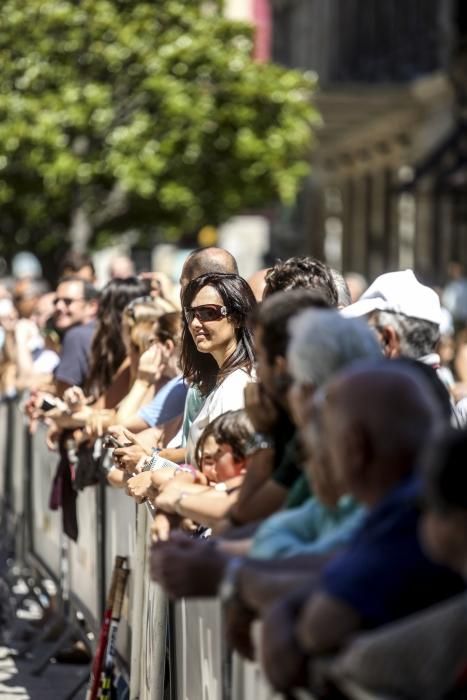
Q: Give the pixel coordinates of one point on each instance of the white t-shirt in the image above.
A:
(228, 396)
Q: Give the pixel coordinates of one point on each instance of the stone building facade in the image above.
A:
(389, 180)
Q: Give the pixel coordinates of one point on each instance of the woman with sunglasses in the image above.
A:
(217, 354)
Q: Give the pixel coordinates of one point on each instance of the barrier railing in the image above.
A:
(173, 652)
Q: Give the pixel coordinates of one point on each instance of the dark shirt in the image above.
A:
(287, 468)
(74, 357)
(383, 574)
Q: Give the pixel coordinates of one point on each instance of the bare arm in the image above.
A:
(260, 495)
(141, 392)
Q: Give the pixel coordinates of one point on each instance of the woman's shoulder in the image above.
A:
(241, 375)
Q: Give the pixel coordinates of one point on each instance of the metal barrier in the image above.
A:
(174, 652)
(46, 527)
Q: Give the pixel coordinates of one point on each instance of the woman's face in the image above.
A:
(217, 337)
(218, 462)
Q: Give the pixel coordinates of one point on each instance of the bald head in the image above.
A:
(205, 260)
(376, 419)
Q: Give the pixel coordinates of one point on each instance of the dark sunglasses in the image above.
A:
(205, 312)
(66, 300)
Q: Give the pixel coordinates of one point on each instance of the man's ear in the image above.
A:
(391, 342)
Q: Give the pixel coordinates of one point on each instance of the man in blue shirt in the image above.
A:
(374, 420)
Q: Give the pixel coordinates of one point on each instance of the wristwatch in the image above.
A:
(228, 585)
(259, 441)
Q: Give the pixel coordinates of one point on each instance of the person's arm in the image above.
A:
(202, 504)
(258, 587)
(148, 382)
(174, 454)
(259, 495)
(268, 499)
(325, 624)
(132, 402)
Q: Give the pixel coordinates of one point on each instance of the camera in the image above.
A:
(47, 405)
(110, 442)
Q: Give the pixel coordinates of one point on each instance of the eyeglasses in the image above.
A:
(205, 312)
(66, 300)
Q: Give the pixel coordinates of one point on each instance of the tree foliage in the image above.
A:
(141, 115)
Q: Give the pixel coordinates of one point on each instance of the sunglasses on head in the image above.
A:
(205, 312)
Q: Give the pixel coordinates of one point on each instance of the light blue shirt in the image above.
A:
(167, 404)
(312, 528)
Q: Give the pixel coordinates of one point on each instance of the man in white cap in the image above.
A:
(405, 314)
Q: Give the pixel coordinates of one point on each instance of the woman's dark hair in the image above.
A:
(108, 349)
(201, 368)
(232, 428)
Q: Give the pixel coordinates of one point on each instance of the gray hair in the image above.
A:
(343, 292)
(323, 342)
(417, 337)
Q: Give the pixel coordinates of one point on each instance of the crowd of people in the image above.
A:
(301, 438)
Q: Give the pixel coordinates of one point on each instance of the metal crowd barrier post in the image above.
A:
(120, 539)
(199, 649)
(3, 457)
(150, 618)
(46, 524)
(83, 559)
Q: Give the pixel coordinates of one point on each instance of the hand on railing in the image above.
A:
(282, 660)
(187, 567)
(140, 487)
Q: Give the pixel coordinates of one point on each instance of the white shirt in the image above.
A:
(228, 396)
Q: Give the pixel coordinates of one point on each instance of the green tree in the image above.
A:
(126, 114)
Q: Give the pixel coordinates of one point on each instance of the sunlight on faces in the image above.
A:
(218, 463)
(72, 313)
(215, 337)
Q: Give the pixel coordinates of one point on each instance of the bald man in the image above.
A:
(374, 420)
(204, 260)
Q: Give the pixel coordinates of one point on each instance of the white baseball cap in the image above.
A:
(398, 292)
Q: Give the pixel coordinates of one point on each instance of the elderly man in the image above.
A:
(405, 315)
(374, 420)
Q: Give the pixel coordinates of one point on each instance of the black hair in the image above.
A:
(274, 313)
(201, 368)
(299, 273)
(89, 290)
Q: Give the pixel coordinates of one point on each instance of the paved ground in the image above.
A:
(17, 682)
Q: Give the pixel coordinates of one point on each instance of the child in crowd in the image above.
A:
(203, 495)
